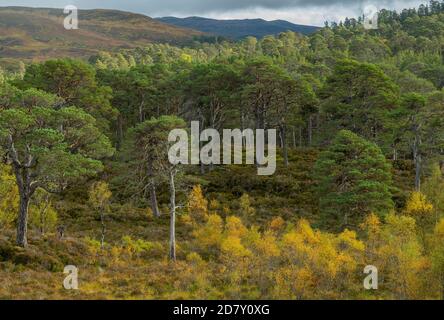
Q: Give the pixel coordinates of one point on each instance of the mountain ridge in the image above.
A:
(238, 28)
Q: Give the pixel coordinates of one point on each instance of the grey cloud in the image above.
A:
(202, 7)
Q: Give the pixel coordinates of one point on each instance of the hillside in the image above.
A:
(238, 29)
(96, 171)
(29, 33)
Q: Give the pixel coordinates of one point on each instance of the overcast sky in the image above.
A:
(312, 12)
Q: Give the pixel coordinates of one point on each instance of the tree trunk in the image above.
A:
(102, 239)
(242, 120)
(43, 216)
(22, 222)
(395, 154)
(153, 199)
(152, 189)
(119, 132)
(310, 130)
(172, 217)
(417, 160)
(141, 115)
(418, 173)
(300, 137)
(284, 143)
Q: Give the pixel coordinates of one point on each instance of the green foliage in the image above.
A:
(100, 195)
(43, 216)
(57, 156)
(359, 97)
(353, 180)
(8, 197)
(75, 82)
(245, 208)
(432, 189)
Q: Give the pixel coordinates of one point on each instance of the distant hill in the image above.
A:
(30, 33)
(238, 29)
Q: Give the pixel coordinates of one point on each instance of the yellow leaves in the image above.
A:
(304, 263)
(186, 58)
(346, 262)
(295, 283)
(246, 210)
(331, 259)
(349, 240)
(422, 211)
(235, 228)
(372, 224)
(93, 246)
(215, 234)
(437, 254)
(277, 224)
(233, 247)
(9, 197)
(210, 235)
(186, 220)
(266, 245)
(397, 254)
(197, 205)
(439, 229)
(400, 226)
(417, 205)
(43, 216)
(115, 253)
(139, 246)
(214, 206)
(308, 234)
(100, 195)
(292, 241)
(195, 259)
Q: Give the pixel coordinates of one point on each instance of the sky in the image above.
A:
(309, 12)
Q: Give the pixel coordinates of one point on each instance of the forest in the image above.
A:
(85, 178)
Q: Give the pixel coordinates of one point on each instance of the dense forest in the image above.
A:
(85, 178)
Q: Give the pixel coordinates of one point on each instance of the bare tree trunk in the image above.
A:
(395, 154)
(310, 130)
(102, 220)
(172, 216)
(294, 139)
(141, 116)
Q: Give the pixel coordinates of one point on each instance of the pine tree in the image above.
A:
(353, 179)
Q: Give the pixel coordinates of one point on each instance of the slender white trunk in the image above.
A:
(172, 216)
